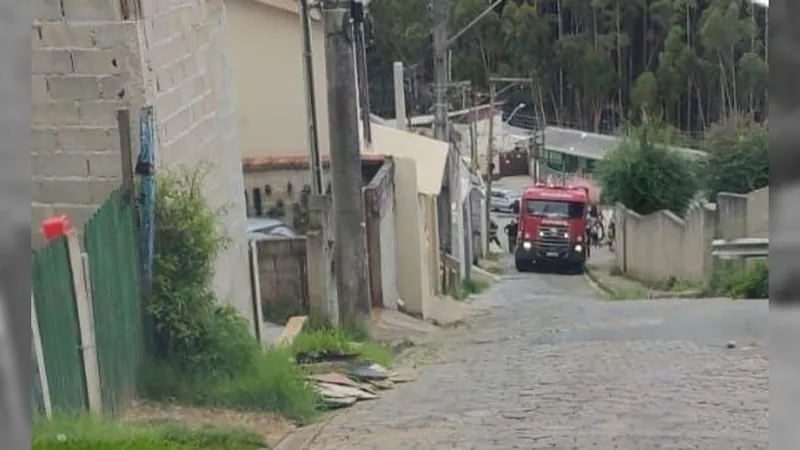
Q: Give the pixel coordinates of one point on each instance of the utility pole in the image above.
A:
(441, 11)
(350, 245)
(400, 113)
(361, 68)
(489, 161)
(493, 81)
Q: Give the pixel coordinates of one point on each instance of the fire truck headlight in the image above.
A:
(526, 245)
(578, 248)
(580, 238)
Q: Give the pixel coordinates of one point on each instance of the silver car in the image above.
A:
(504, 200)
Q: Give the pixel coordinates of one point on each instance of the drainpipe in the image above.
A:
(314, 162)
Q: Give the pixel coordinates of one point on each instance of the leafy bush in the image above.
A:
(752, 282)
(739, 160)
(204, 354)
(645, 176)
(191, 332)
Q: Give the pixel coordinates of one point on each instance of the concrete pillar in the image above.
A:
(399, 96)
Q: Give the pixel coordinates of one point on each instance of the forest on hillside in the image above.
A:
(596, 64)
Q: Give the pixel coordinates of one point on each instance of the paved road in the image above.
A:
(553, 366)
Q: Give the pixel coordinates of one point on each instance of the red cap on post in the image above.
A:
(55, 227)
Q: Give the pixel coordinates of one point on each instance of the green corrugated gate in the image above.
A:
(110, 241)
(51, 282)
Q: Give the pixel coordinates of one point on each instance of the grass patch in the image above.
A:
(273, 383)
(313, 345)
(752, 282)
(83, 433)
(466, 288)
(492, 256)
(630, 293)
(495, 269)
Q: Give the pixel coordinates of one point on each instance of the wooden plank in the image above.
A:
(256, 288)
(125, 144)
(85, 322)
(39, 353)
(293, 327)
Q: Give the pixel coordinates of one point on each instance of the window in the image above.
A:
(551, 208)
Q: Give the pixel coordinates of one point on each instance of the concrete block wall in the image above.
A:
(186, 80)
(84, 66)
(91, 57)
(661, 245)
(757, 222)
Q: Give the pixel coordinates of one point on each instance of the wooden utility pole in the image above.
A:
(489, 158)
(350, 245)
(493, 81)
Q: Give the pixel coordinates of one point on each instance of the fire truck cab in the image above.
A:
(552, 228)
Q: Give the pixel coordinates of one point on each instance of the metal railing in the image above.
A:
(740, 248)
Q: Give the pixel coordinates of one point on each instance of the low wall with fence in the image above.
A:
(87, 313)
(282, 278)
(661, 245)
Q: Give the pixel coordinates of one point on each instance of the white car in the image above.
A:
(262, 228)
(504, 200)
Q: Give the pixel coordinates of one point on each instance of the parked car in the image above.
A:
(504, 200)
(260, 228)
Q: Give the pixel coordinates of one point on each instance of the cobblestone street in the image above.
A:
(551, 365)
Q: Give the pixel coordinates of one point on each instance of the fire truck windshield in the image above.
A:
(552, 208)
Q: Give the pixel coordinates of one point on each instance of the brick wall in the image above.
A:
(91, 57)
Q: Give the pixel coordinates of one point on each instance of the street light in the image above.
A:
(514, 111)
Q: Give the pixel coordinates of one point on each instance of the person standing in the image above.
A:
(511, 232)
(493, 233)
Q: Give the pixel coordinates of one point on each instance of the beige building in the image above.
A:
(91, 58)
(266, 53)
(265, 47)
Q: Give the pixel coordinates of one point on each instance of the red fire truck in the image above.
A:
(552, 228)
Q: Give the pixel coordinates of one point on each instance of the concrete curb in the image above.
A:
(597, 284)
(301, 439)
(485, 275)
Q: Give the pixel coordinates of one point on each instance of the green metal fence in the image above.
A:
(51, 282)
(110, 241)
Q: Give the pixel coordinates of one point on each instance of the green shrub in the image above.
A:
(752, 282)
(191, 332)
(646, 176)
(739, 160)
(204, 354)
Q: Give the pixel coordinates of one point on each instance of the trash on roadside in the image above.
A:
(362, 383)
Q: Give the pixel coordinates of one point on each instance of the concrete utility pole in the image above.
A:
(350, 244)
(401, 121)
(361, 68)
(441, 11)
